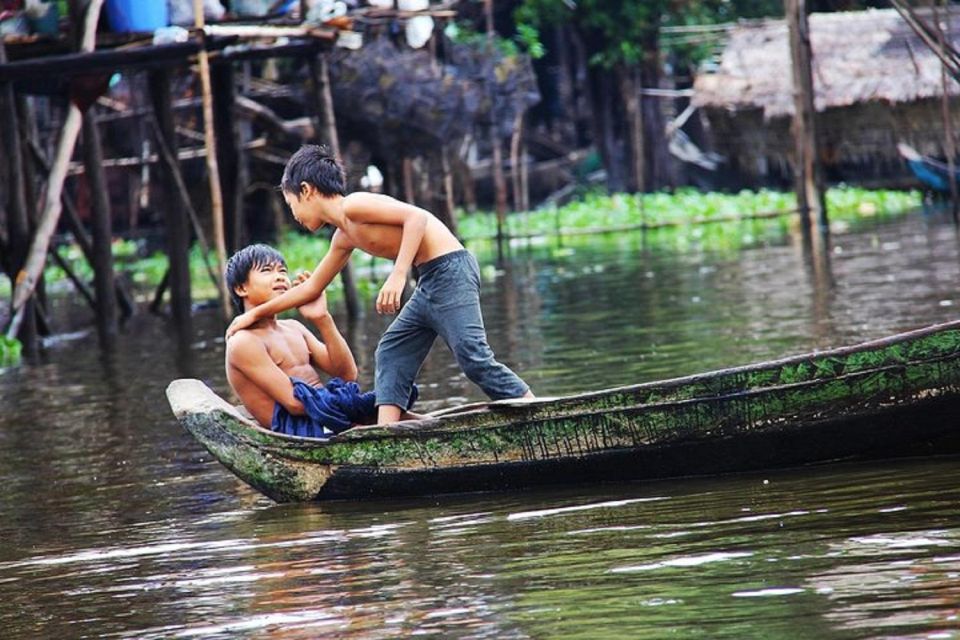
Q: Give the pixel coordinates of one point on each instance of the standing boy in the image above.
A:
(447, 298)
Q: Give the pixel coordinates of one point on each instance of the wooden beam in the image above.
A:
(98, 62)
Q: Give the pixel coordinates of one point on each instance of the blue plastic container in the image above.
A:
(137, 15)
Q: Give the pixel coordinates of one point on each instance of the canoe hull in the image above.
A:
(925, 429)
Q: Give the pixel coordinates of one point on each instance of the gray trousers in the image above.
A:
(446, 303)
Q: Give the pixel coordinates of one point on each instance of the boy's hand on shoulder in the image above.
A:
(242, 321)
(388, 301)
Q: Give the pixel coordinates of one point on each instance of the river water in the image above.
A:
(116, 524)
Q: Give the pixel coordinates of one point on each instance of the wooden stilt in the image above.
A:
(408, 191)
(103, 277)
(320, 73)
(80, 235)
(157, 303)
(213, 169)
(18, 231)
(78, 284)
(515, 161)
(808, 175)
(27, 278)
(949, 145)
(178, 231)
(172, 167)
(448, 191)
(229, 154)
(499, 181)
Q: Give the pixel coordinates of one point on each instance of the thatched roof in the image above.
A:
(857, 57)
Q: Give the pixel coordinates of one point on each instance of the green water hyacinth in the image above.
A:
(10, 352)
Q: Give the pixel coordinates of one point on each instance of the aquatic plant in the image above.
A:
(10, 351)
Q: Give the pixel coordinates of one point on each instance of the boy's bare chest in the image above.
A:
(379, 240)
(287, 349)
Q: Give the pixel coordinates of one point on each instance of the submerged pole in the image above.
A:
(808, 174)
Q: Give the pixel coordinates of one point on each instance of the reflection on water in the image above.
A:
(116, 524)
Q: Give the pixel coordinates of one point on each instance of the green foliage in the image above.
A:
(624, 28)
(675, 218)
(463, 33)
(10, 350)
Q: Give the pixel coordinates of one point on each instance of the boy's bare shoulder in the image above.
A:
(242, 343)
(364, 200)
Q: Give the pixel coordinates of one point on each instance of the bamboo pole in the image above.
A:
(27, 278)
(808, 177)
(213, 170)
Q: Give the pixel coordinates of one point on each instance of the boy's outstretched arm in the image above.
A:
(310, 289)
(371, 208)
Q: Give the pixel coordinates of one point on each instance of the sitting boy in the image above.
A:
(273, 364)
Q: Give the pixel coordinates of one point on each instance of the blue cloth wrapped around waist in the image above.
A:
(330, 409)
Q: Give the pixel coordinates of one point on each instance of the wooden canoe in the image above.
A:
(895, 396)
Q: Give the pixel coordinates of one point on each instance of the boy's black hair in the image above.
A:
(240, 263)
(315, 165)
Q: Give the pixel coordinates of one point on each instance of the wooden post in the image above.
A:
(408, 191)
(172, 168)
(213, 170)
(72, 219)
(229, 153)
(515, 140)
(178, 231)
(28, 277)
(808, 175)
(448, 190)
(499, 181)
(18, 231)
(949, 145)
(320, 73)
(103, 278)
